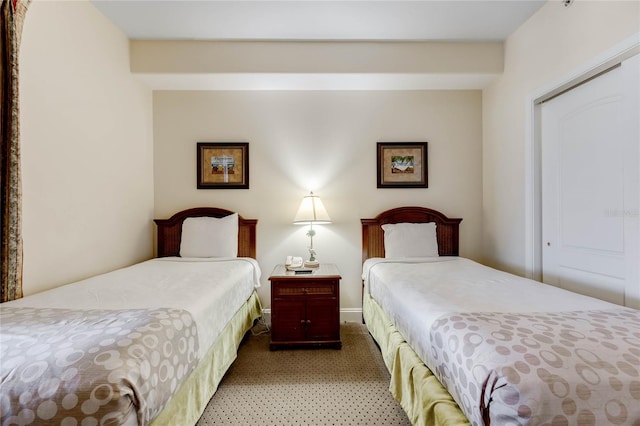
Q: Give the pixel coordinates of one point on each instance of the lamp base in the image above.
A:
(311, 263)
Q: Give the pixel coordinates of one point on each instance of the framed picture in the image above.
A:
(223, 165)
(402, 165)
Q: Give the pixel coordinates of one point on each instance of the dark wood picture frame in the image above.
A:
(402, 165)
(223, 165)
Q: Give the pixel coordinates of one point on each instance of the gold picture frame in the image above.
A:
(402, 165)
(223, 165)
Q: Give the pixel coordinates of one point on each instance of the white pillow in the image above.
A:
(210, 237)
(410, 240)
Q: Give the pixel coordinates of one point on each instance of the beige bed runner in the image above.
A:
(73, 367)
(579, 367)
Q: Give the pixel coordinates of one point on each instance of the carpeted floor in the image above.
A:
(306, 386)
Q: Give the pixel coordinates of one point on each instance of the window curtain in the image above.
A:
(12, 14)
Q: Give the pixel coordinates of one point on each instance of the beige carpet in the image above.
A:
(306, 386)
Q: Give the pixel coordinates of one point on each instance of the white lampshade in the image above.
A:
(311, 211)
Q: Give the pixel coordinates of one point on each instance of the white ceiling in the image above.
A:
(332, 20)
(459, 20)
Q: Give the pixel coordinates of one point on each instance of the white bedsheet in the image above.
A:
(415, 292)
(212, 290)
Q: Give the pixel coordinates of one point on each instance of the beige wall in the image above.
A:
(215, 56)
(89, 159)
(550, 46)
(315, 65)
(323, 141)
(87, 148)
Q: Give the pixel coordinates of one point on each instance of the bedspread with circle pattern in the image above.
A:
(92, 367)
(561, 368)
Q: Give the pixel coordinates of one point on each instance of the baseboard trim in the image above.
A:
(351, 315)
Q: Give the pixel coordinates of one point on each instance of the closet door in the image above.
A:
(590, 187)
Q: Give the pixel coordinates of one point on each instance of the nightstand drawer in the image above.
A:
(304, 289)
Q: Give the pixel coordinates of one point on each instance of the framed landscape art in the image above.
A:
(223, 165)
(402, 165)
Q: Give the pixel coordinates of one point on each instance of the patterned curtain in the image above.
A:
(12, 13)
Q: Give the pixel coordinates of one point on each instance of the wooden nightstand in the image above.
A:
(305, 309)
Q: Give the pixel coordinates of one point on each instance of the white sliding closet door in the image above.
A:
(590, 189)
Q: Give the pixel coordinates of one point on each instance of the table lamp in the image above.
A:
(311, 211)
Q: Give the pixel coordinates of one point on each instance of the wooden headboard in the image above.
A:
(170, 231)
(373, 235)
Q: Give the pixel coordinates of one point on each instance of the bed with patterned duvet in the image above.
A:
(146, 344)
(506, 349)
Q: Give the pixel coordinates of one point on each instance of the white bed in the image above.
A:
(507, 349)
(416, 292)
(205, 304)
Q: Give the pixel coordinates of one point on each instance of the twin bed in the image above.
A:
(147, 344)
(465, 343)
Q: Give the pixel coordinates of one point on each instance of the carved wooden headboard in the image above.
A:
(170, 231)
(446, 229)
